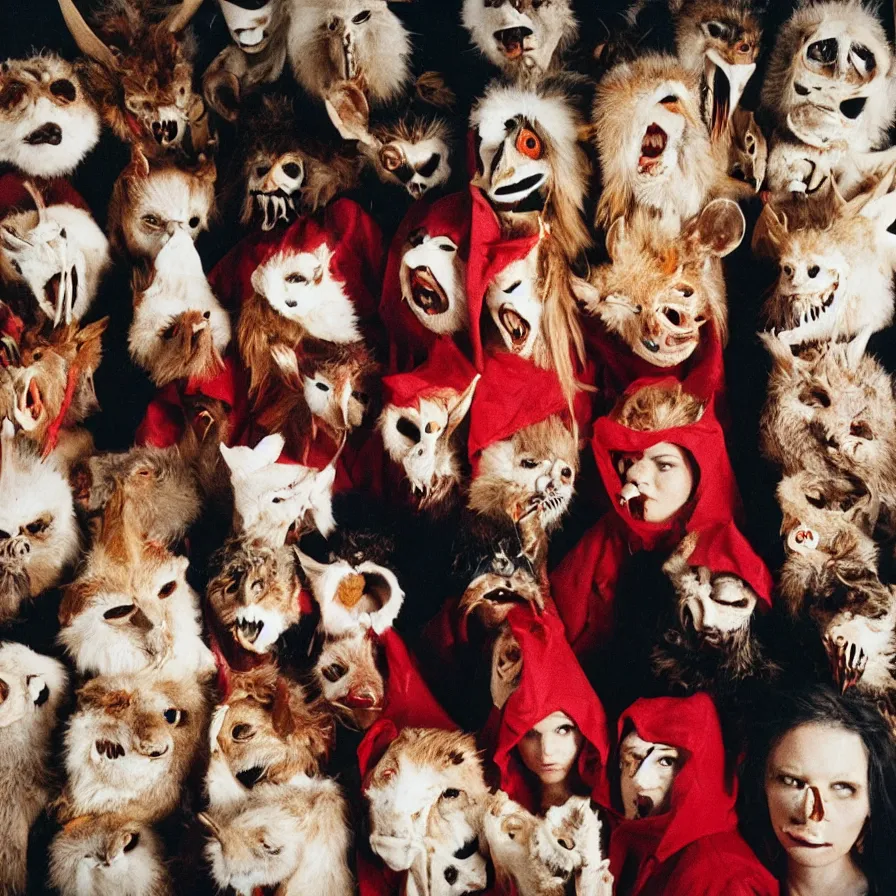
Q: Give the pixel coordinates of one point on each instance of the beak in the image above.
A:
(737, 77)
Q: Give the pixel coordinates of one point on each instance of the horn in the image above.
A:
(179, 18)
(35, 195)
(212, 826)
(85, 38)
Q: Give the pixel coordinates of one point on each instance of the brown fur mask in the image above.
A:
(658, 407)
(350, 680)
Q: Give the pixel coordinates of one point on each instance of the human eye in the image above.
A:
(842, 788)
(664, 466)
(667, 761)
(566, 729)
(790, 781)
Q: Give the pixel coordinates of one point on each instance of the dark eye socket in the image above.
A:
(272, 850)
(262, 170)
(296, 278)
(417, 236)
(513, 287)
(37, 527)
(823, 51)
(322, 386)
(669, 100)
(12, 94)
(291, 169)
(447, 247)
(685, 290)
(169, 331)
(119, 612)
(167, 589)
(64, 89)
(361, 397)
(861, 430)
(173, 716)
(361, 17)
(241, 732)
(817, 396)
(428, 168)
(672, 316)
(194, 222)
(450, 874)
(470, 848)
(865, 55)
(718, 30)
(816, 501)
(334, 672)
(408, 429)
(232, 586)
(151, 220)
(132, 843)
(277, 500)
(451, 793)
(528, 463)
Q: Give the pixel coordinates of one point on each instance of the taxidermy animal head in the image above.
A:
(349, 40)
(654, 149)
(131, 607)
(419, 777)
(39, 536)
(657, 293)
(532, 471)
(521, 37)
(59, 253)
(130, 744)
(153, 200)
(829, 80)
(287, 174)
(141, 74)
(835, 261)
(549, 856)
(48, 122)
(254, 592)
(720, 40)
(422, 439)
(268, 731)
(108, 855)
(179, 330)
(747, 149)
(273, 501)
(349, 679)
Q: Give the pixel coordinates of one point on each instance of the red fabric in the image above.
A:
(490, 252)
(55, 191)
(694, 848)
(513, 393)
(445, 370)
(551, 681)
(10, 324)
(584, 584)
(409, 340)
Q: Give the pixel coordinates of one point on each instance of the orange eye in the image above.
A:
(529, 144)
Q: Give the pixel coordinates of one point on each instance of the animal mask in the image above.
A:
(549, 856)
(274, 501)
(59, 253)
(39, 536)
(179, 330)
(657, 293)
(524, 38)
(350, 40)
(836, 262)
(154, 200)
(252, 23)
(48, 123)
(130, 744)
(109, 854)
(349, 679)
(141, 73)
(255, 592)
(514, 302)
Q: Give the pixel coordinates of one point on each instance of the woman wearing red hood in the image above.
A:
(678, 834)
(662, 458)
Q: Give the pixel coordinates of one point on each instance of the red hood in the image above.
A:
(449, 216)
(56, 191)
(703, 793)
(551, 681)
(445, 370)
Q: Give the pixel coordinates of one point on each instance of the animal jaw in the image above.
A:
(349, 678)
(514, 301)
(432, 276)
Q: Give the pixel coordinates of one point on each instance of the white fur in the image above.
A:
(449, 269)
(273, 621)
(516, 286)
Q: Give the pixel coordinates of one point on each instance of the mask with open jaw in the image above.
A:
(179, 329)
(545, 856)
(152, 200)
(32, 687)
(836, 263)
(747, 149)
(254, 592)
(39, 535)
(141, 72)
(657, 293)
(349, 40)
(521, 37)
(276, 502)
(131, 608)
(130, 744)
(514, 301)
(252, 23)
(108, 854)
(59, 253)
(48, 122)
(647, 772)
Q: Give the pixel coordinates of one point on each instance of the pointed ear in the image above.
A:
(880, 206)
(616, 240)
(780, 351)
(855, 348)
(458, 410)
(11, 241)
(281, 714)
(268, 450)
(349, 111)
(769, 232)
(139, 164)
(719, 228)
(587, 294)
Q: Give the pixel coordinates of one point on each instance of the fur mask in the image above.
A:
(153, 201)
(349, 40)
(48, 123)
(131, 607)
(58, 253)
(296, 835)
(421, 774)
(524, 38)
(130, 745)
(141, 73)
(547, 856)
(32, 688)
(657, 293)
(349, 678)
(274, 501)
(39, 536)
(254, 592)
(179, 329)
(836, 261)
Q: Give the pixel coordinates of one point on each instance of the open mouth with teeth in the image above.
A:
(53, 286)
(552, 507)
(512, 41)
(274, 207)
(516, 326)
(247, 631)
(814, 313)
(644, 805)
(653, 145)
(165, 131)
(30, 407)
(721, 102)
(427, 293)
(108, 748)
(519, 189)
(505, 595)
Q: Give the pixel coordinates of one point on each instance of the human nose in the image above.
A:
(811, 807)
(639, 472)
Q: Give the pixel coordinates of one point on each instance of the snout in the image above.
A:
(49, 134)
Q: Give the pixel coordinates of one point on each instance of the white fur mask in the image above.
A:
(514, 303)
(432, 282)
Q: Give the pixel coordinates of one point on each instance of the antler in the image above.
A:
(179, 18)
(85, 37)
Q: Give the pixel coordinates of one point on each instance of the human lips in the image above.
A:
(803, 843)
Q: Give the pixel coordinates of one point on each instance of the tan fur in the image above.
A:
(658, 407)
(349, 679)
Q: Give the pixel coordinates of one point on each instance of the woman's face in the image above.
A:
(816, 785)
(550, 748)
(647, 771)
(664, 480)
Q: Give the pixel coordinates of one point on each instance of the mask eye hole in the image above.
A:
(38, 527)
(167, 589)
(361, 17)
(133, 842)
(172, 716)
(860, 430)
(528, 463)
(120, 612)
(417, 236)
(12, 94)
(823, 51)
(334, 672)
(408, 429)
(262, 170)
(63, 89)
(232, 586)
(241, 732)
(322, 386)
(672, 316)
(296, 278)
(292, 170)
(194, 222)
(529, 144)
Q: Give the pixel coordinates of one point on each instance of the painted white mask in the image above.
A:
(432, 282)
(514, 303)
(249, 22)
(647, 773)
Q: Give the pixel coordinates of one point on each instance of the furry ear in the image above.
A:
(719, 228)
(458, 410)
(349, 111)
(880, 205)
(616, 239)
(586, 293)
(782, 356)
(242, 460)
(769, 232)
(138, 167)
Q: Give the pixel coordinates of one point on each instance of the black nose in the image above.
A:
(49, 133)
